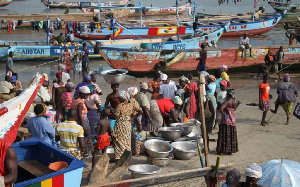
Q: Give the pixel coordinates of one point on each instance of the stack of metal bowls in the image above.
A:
(184, 150)
(158, 152)
(170, 133)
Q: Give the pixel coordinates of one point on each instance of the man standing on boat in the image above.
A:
(202, 60)
(9, 63)
(85, 59)
(244, 44)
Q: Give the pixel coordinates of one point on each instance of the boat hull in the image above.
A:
(279, 7)
(186, 60)
(58, 4)
(4, 3)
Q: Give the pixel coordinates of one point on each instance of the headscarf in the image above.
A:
(231, 92)
(164, 77)
(132, 91)
(212, 78)
(69, 85)
(223, 67)
(13, 79)
(45, 76)
(144, 85)
(91, 87)
(177, 100)
(286, 78)
(58, 74)
(39, 109)
(84, 89)
(184, 79)
(233, 176)
(86, 77)
(124, 95)
(224, 83)
(61, 67)
(253, 170)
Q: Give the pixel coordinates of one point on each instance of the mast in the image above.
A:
(48, 23)
(99, 1)
(177, 18)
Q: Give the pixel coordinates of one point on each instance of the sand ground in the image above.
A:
(256, 143)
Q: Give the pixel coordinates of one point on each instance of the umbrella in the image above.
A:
(280, 173)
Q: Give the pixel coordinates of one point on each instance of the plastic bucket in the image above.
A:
(55, 166)
(112, 123)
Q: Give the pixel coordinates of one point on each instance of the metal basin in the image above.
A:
(170, 133)
(111, 153)
(114, 76)
(187, 127)
(184, 150)
(143, 170)
(158, 148)
(159, 161)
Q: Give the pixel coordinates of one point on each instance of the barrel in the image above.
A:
(146, 45)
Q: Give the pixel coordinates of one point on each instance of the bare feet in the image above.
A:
(263, 124)
(266, 123)
(286, 123)
(273, 111)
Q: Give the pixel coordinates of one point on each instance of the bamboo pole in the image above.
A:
(201, 106)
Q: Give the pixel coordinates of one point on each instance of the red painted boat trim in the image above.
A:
(5, 4)
(254, 32)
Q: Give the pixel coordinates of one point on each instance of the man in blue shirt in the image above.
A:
(85, 59)
(40, 127)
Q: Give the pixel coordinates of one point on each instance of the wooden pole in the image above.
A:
(201, 106)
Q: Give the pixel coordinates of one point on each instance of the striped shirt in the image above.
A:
(68, 132)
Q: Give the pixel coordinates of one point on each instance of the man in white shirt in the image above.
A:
(244, 44)
(168, 88)
(7, 90)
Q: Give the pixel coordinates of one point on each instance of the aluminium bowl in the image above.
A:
(159, 161)
(170, 133)
(143, 170)
(184, 150)
(158, 148)
(187, 127)
(114, 76)
(111, 154)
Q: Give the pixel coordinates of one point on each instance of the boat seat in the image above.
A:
(35, 167)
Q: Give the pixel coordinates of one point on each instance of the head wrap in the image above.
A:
(69, 85)
(13, 78)
(84, 89)
(233, 176)
(144, 85)
(164, 77)
(132, 91)
(223, 67)
(61, 67)
(86, 78)
(184, 79)
(224, 83)
(177, 100)
(91, 87)
(212, 78)
(124, 95)
(45, 76)
(253, 170)
(231, 92)
(286, 78)
(58, 74)
(39, 109)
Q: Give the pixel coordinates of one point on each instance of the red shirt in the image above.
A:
(265, 90)
(3, 149)
(165, 106)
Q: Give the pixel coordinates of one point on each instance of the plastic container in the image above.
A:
(56, 166)
(112, 123)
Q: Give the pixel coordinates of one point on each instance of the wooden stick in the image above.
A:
(201, 105)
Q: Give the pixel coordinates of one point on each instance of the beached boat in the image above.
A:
(293, 29)
(28, 51)
(238, 27)
(143, 60)
(62, 4)
(279, 7)
(147, 11)
(5, 2)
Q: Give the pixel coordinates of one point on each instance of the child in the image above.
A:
(264, 101)
(67, 100)
(104, 130)
(221, 98)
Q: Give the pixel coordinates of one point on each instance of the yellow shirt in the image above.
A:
(224, 76)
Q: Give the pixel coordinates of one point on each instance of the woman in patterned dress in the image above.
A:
(227, 136)
(121, 134)
(66, 58)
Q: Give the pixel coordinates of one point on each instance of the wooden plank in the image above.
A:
(168, 177)
(99, 172)
(35, 167)
(120, 168)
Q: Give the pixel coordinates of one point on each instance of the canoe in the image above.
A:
(43, 52)
(238, 27)
(62, 4)
(279, 7)
(5, 2)
(147, 11)
(170, 44)
(143, 60)
(34, 157)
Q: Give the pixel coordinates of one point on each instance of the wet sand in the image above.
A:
(256, 143)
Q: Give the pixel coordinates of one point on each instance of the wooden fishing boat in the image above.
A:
(5, 2)
(279, 7)
(143, 60)
(147, 11)
(62, 4)
(238, 27)
(293, 29)
(28, 51)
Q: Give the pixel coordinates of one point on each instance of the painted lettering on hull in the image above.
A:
(33, 51)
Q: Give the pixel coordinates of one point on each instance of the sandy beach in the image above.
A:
(256, 143)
